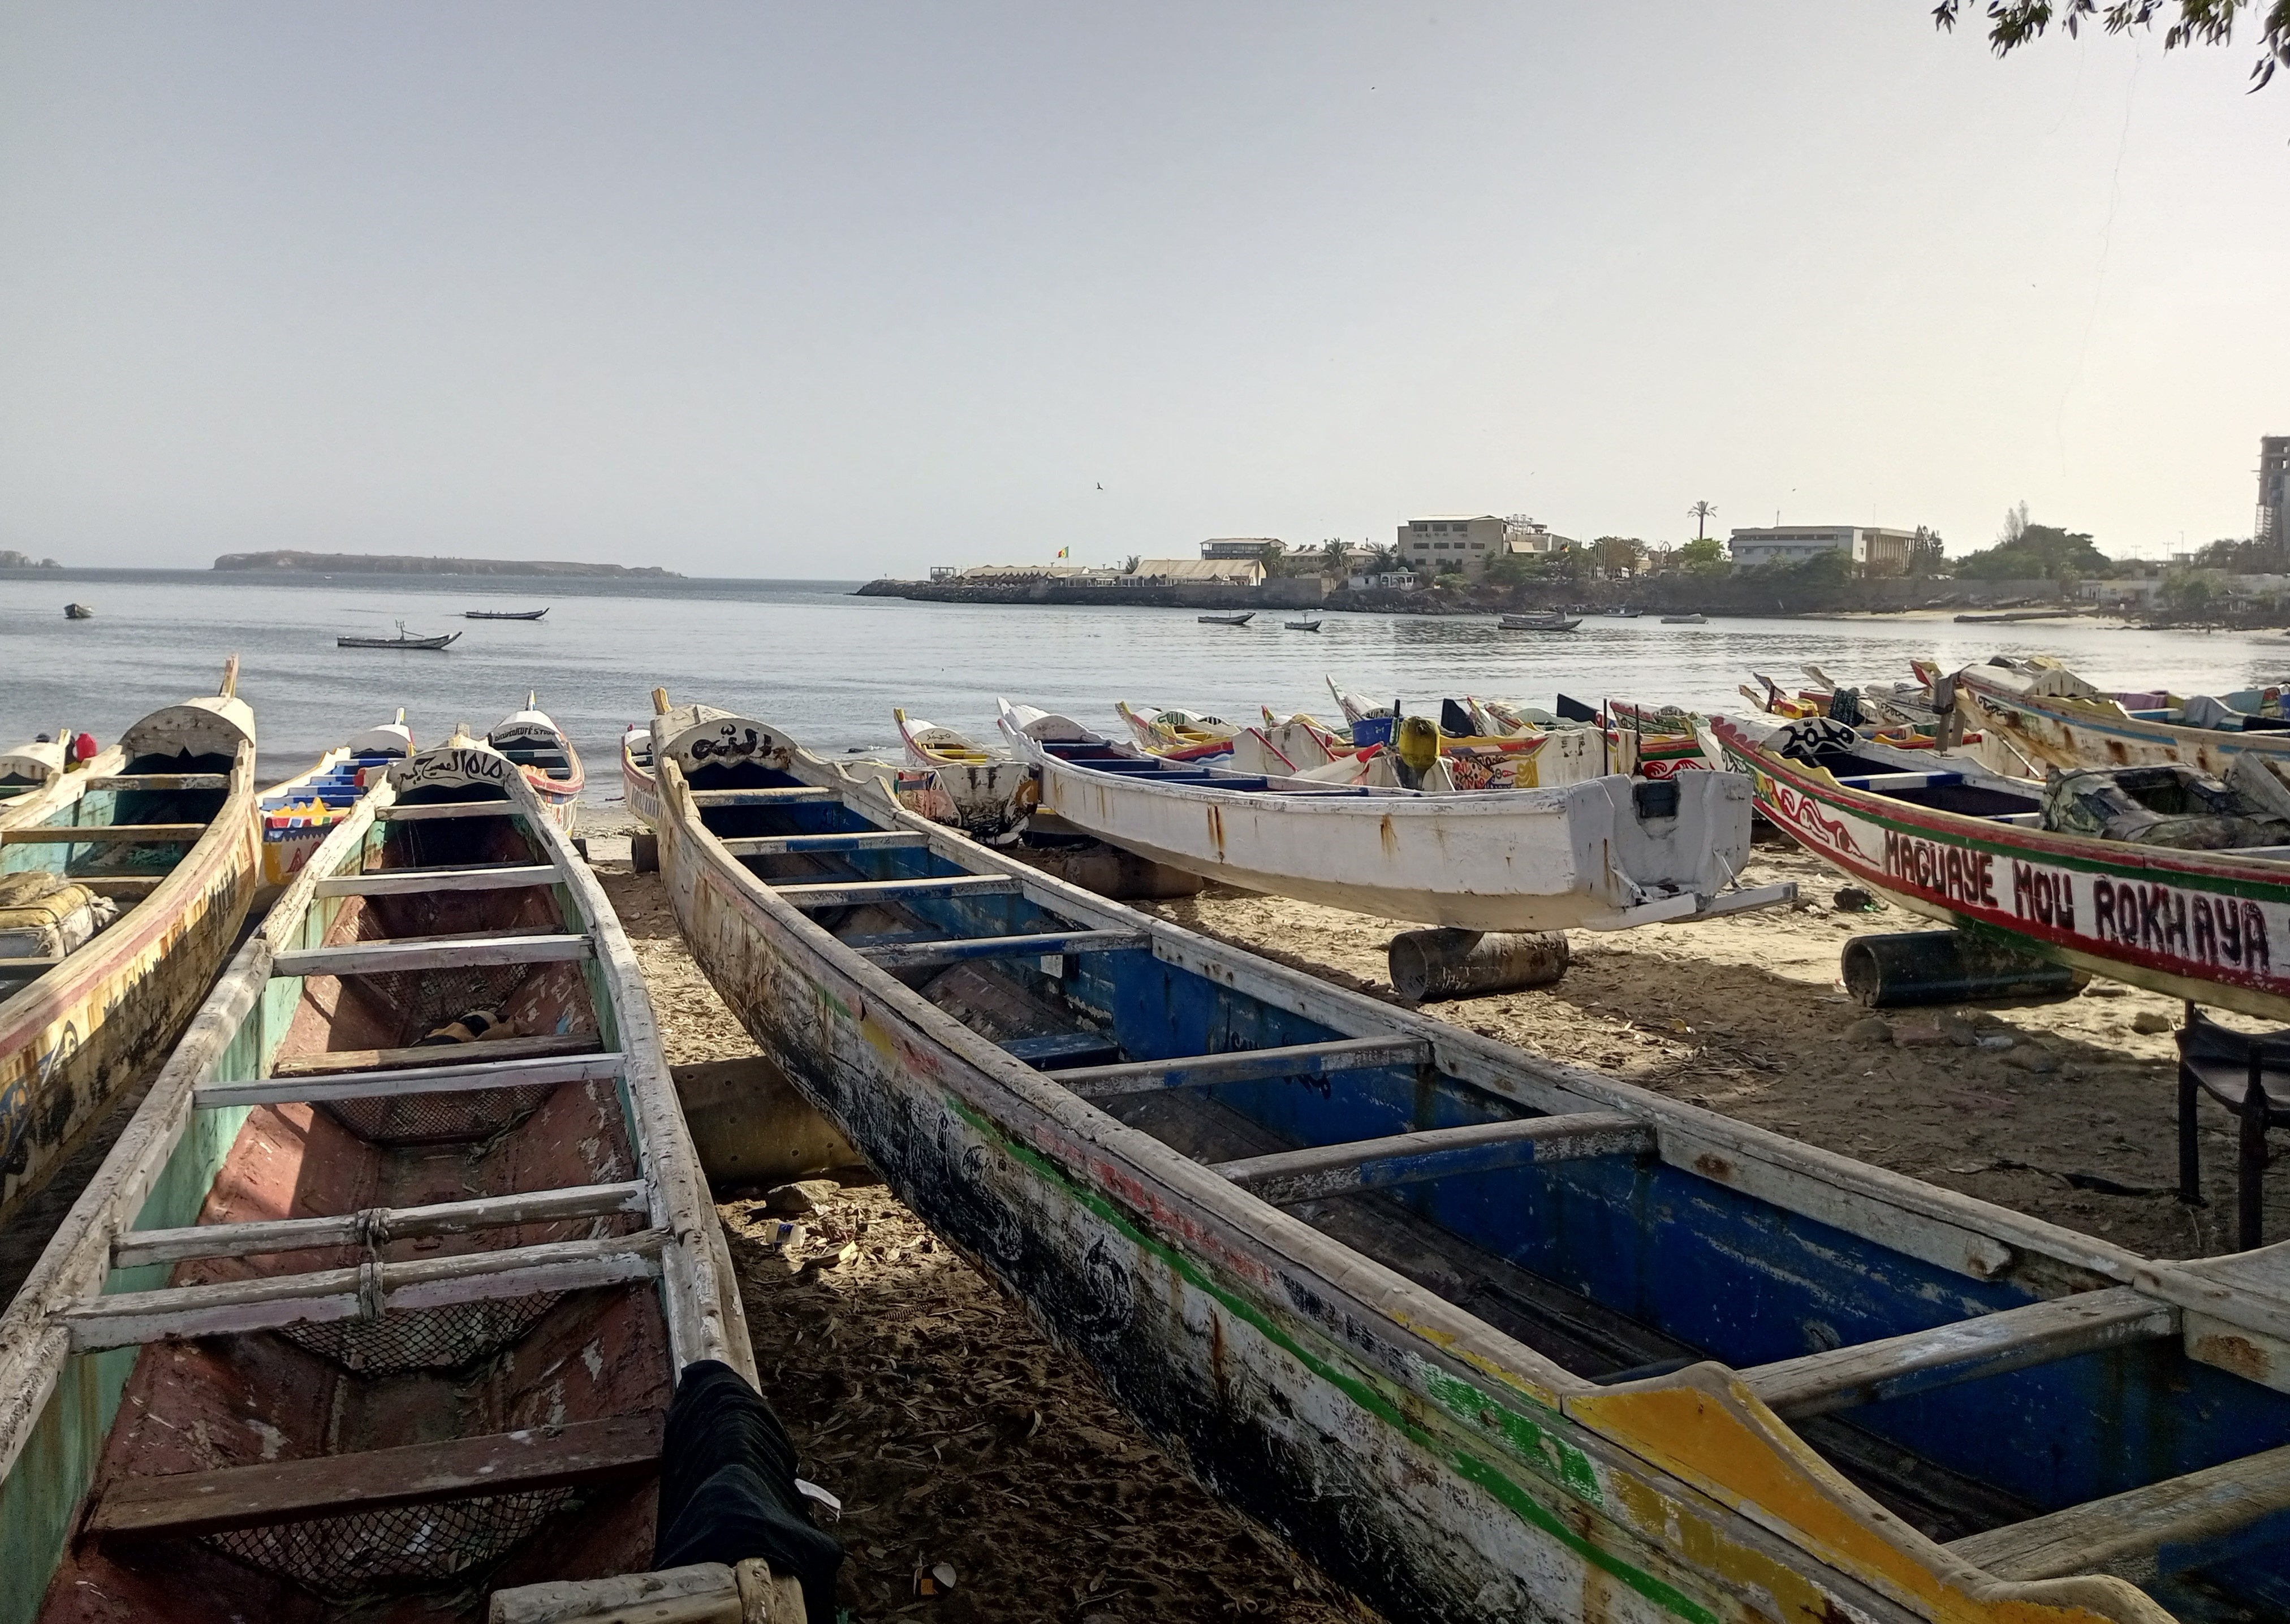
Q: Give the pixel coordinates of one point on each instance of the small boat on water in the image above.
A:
(404, 640)
(503, 615)
(1486, 1336)
(1541, 622)
(376, 1304)
(1696, 619)
(79, 612)
(1228, 620)
(1603, 854)
(1310, 626)
(295, 816)
(122, 888)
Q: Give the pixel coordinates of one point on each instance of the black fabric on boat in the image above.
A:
(1575, 710)
(1454, 720)
(727, 1487)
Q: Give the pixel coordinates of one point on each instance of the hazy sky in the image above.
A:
(830, 290)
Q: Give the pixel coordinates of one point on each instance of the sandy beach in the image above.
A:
(956, 1433)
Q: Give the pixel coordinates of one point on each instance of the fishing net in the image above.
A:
(431, 1119)
(397, 1546)
(443, 1338)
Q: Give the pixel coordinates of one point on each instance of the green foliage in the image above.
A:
(1926, 554)
(2036, 552)
(2245, 556)
(1705, 556)
(1617, 556)
(2193, 594)
(1129, 564)
(2014, 23)
(1826, 568)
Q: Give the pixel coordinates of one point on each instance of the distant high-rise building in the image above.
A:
(2273, 524)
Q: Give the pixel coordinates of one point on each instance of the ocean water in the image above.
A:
(827, 667)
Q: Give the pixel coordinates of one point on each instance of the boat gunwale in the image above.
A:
(1225, 1228)
(136, 930)
(30, 808)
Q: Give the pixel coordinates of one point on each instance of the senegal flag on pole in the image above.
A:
(1065, 552)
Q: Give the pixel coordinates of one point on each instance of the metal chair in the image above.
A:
(2249, 1073)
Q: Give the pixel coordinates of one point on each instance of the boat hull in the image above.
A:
(2065, 734)
(1539, 859)
(2198, 926)
(74, 1040)
(1413, 1458)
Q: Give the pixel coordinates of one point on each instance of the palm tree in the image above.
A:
(1331, 553)
(1701, 513)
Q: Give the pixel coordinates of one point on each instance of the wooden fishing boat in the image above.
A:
(125, 884)
(1228, 620)
(79, 612)
(404, 640)
(503, 615)
(2062, 721)
(1603, 854)
(1952, 842)
(294, 816)
(377, 1302)
(1696, 619)
(1310, 626)
(1489, 1337)
(1176, 735)
(1541, 622)
(546, 757)
(30, 767)
(957, 782)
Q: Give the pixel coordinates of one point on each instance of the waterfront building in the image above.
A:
(1196, 572)
(1018, 574)
(1466, 543)
(1867, 545)
(1241, 547)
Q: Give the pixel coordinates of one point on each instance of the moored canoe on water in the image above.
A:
(1609, 1357)
(377, 1303)
(126, 883)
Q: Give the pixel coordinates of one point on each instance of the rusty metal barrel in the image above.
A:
(1911, 967)
(1450, 963)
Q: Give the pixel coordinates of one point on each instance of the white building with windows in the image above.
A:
(1795, 543)
(1466, 543)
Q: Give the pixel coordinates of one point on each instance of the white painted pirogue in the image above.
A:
(377, 1300)
(1488, 1337)
(532, 739)
(295, 815)
(122, 887)
(2063, 721)
(1602, 855)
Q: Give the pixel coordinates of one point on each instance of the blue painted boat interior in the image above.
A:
(338, 786)
(1610, 1266)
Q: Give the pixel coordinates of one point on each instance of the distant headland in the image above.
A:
(11, 559)
(396, 564)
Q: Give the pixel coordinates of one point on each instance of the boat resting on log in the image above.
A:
(122, 889)
(1946, 839)
(377, 1303)
(1487, 1336)
(1604, 854)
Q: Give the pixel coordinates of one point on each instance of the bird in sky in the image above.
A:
(1100, 485)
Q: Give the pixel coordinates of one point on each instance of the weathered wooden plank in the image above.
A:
(2205, 1505)
(26, 966)
(487, 1049)
(779, 795)
(786, 846)
(160, 781)
(409, 1080)
(849, 894)
(388, 957)
(1988, 1345)
(234, 1307)
(414, 882)
(919, 955)
(104, 834)
(183, 1504)
(705, 1593)
(1247, 1065)
(120, 887)
(430, 811)
(1287, 1177)
(263, 1236)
